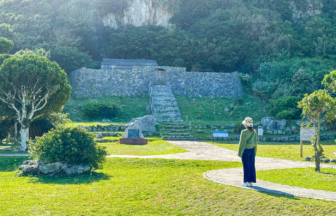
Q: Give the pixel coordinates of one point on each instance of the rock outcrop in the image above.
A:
(313, 7)
(38, 167)
(272, 124)
(141, 13)
(156, 12)
(146, 123)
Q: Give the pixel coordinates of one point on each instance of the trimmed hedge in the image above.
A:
(101, 110)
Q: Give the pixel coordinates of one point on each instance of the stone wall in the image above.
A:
(92, 83)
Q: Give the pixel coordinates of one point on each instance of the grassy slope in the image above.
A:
(155, 147)
(143, 187)
(289, 151)
(211, 110)
(202, 110)
(131, 108)
(303, 177)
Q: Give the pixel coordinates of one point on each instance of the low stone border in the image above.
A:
(101, 128)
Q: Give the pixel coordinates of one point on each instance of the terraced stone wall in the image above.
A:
(92, 83)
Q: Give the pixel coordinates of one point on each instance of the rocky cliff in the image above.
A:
(310, 8)
(140, 13)
(156, 12)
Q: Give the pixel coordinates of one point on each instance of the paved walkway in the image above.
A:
(234, 176)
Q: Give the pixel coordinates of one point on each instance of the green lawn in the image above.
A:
(155, 147)
(143, 187)
(289, 151)
(12, 146)
(302, 177)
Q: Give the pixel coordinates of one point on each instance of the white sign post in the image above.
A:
(260, 133)
(306, 135)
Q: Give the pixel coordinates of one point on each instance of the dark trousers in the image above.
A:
(249, 165)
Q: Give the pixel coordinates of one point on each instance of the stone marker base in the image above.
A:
(130, 141)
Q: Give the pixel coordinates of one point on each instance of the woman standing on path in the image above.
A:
(247, 151)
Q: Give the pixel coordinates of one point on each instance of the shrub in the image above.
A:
(72, 145)
(286, 107)
(238, 127)
(101, 109)
(244, 78)
(260, 85)
(285, 114)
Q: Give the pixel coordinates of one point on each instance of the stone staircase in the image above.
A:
(176, 131)
(164, 105)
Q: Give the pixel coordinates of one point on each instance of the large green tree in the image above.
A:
(32, 86)
(5, 113)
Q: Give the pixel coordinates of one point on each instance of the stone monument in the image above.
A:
(146, 123)
(133, 136)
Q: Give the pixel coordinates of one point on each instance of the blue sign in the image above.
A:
(220, 134)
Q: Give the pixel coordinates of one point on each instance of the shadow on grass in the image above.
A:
(332, 174)
(275, 193)
(12, 146)
(10, 164)
(323, 142)
(69, 180)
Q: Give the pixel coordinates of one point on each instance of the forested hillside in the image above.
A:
(287, 46)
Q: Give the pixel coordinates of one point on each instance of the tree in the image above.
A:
(316, 107)
(5, 45)
(70, 58)
(5, 113)
(6, 31)
(330, 81)
(32, 86)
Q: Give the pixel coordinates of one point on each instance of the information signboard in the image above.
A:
(260, 132)
(306, 134)
(220, 134)
(134, 133)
